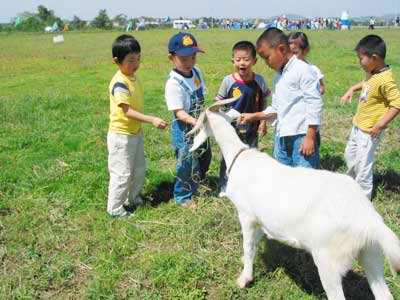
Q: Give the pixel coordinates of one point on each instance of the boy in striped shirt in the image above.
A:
(379, 104)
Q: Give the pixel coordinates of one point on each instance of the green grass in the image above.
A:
(56, 240)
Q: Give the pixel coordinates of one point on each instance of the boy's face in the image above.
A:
(183, 64)
(295, 47)
(274, 57)
(130, 64)
(243, 61)
(368, 63)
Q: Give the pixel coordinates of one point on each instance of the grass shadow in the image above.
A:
(388, 179)
(209, 186)
(332, 162)
(161, 193)
(300, 267)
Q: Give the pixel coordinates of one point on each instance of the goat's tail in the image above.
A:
(390, 245)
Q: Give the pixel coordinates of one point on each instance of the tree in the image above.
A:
(102, 20)
(77, 23)
(44, 14)
(121, 19)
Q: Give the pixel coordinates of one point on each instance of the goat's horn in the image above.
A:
(199, 122)
(220, 103)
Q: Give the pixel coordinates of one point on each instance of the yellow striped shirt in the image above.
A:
(127, 90)
(378, 94)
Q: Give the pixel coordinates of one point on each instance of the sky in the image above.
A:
(88, 9)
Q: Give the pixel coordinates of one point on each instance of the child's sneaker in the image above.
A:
(123, 214)
(222, 192)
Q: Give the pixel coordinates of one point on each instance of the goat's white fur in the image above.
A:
(323, 212)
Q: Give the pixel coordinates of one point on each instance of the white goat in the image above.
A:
(323, 212)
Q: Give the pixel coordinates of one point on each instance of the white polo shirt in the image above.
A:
(296, 99)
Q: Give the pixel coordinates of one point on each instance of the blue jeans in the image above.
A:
(287, 152)
(191, 167)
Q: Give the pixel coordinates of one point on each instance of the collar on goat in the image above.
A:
(235, 158)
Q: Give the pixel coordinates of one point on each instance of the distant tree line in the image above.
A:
(43, 17)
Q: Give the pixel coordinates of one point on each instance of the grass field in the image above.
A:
(56, 240)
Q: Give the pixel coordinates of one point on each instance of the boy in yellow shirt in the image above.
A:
(126, 161)
(379, 104)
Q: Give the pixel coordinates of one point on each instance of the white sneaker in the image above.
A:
(221, 194)
(123, 214)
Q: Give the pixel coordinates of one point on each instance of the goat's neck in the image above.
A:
(225, 136)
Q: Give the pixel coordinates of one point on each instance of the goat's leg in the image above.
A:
(329, 270)
(249, 231)
(372, 261)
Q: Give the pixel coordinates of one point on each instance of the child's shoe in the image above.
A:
(222, 192)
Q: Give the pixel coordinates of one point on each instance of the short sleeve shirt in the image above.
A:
(125, 90)
(379, 93)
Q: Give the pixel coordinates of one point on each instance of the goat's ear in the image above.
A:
(199, 139)
(216, 106)
(199, 123)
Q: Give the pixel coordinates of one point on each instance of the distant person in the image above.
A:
(184, 95)
(296, 103)
(126, 161)
(398, 21)
(251, 90)
(371, 23)
(299, 45)
(378, 105)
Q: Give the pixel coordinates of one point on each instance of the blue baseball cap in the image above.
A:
(183, 44)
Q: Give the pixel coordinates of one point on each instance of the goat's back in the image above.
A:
(300, 204)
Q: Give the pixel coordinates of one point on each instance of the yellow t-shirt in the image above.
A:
(128, 90)
(378, 94)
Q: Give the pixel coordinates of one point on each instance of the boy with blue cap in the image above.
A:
(184, 95)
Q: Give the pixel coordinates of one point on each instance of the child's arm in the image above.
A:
(349, 94)
(135, 115)
(313, 104)
(185, 117)
(321, 87)
(384, 121)
(308, 146)
(262, 128)
(257, 116)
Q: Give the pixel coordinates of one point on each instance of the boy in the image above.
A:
(379, 104)
(251, 90)
(126, 161)
(184, 95)
(296, 103)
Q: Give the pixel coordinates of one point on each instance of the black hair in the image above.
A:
(124, 45)
(304, 44)
(245, 45)
(273, 37)
(372, 44)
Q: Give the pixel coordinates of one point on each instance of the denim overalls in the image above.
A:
(191, 168)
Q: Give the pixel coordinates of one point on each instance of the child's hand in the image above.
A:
(308, 146)
(159, 123)
(262, 129)
(246, 118)
(376, 130)
(347, 97)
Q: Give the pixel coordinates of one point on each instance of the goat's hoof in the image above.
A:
(243, 281)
